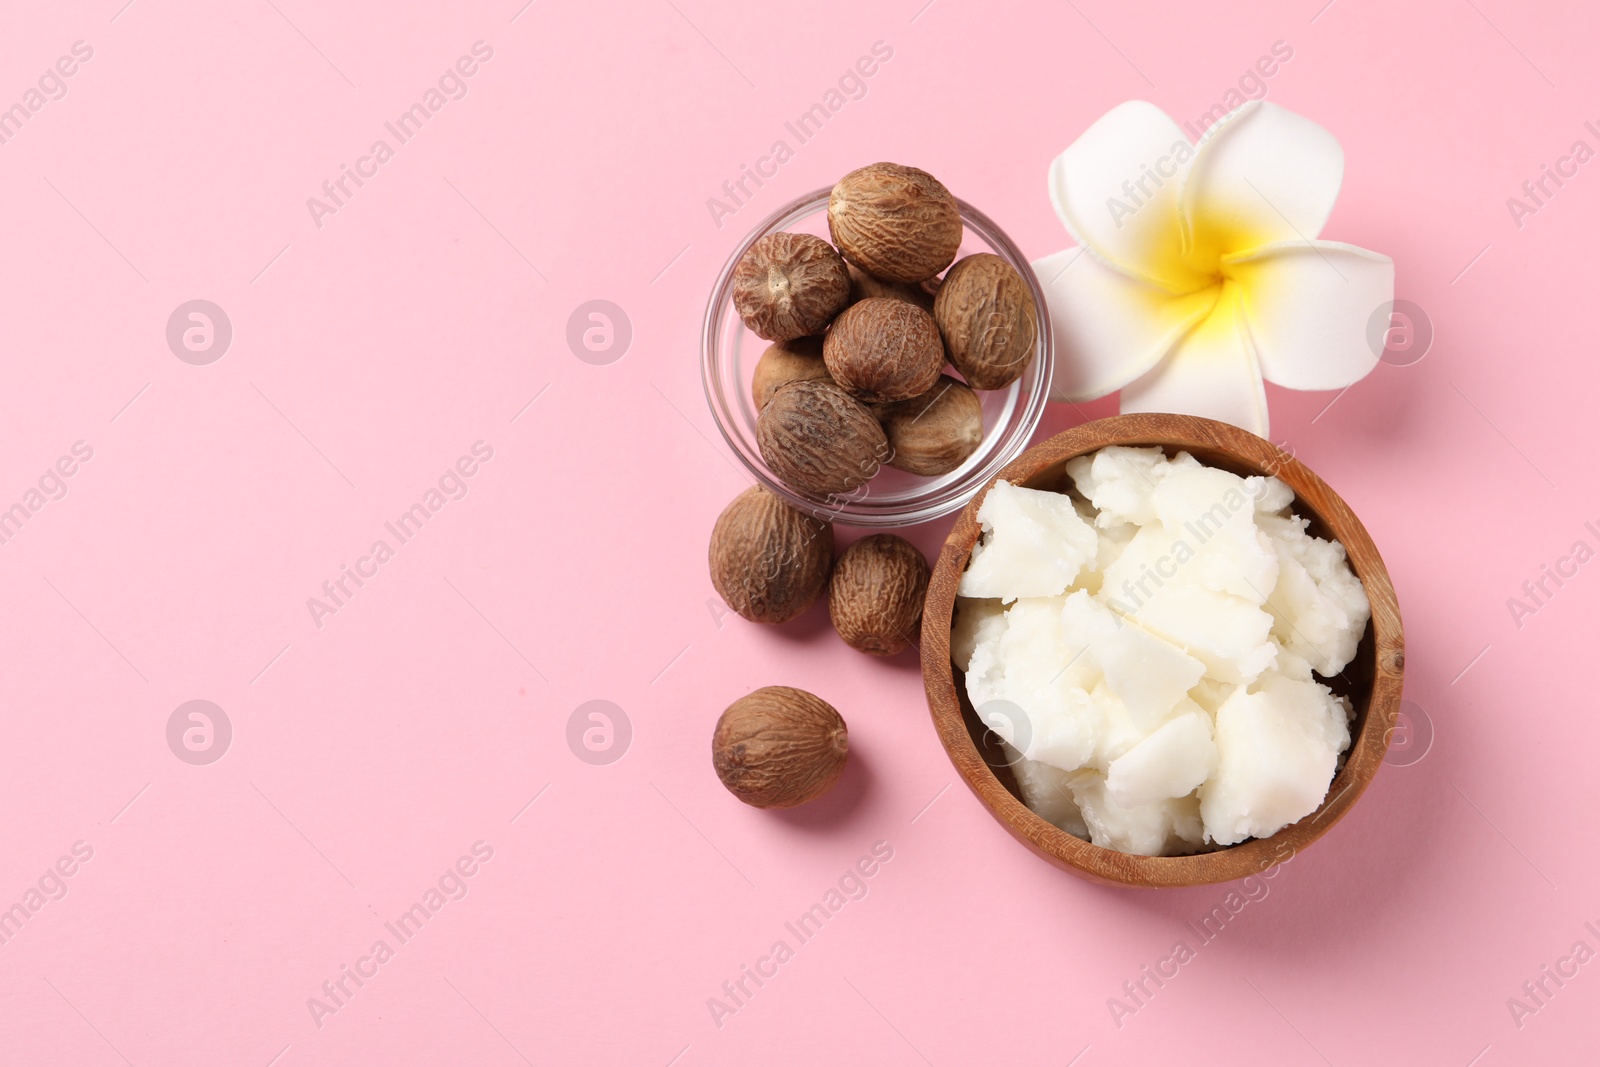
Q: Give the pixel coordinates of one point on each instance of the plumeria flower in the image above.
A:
(1199, 272)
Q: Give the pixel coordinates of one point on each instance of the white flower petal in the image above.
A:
(1261, 175)
(1308, 306)
(1211, 372)
(1110, 328)
(1116, 190)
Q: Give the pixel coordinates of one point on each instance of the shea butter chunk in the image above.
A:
(976, 621)
(1034, 544)
(1232, 637)
(1214, 512)
(1119, 481)
(1162, 828)
(1271, 495)
(1066, 725)
(1148, 673)
(1048, 713)
(985, 670)
(1170, 763)
(1318, 606)
(1119, 730)
(1045, 792)
(1277, 749)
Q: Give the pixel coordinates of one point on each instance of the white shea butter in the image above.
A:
(1034, 544)
(1150, 646)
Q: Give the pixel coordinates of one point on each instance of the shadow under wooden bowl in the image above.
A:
(1372, 681)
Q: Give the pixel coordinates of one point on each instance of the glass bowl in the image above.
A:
(893, 498)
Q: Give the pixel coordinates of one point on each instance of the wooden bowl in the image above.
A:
(1372, 681)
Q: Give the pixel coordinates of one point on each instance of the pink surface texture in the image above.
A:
(408, 766)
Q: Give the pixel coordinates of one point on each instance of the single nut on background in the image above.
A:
(933, 433)
(883, 349)
(819, 439)
(864, 285)
(896, 223)
(769, 561)
(789, 285)
(778, 747)
(797, 360)
(876, 593)
(985, 314)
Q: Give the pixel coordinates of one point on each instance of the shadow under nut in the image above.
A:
(819, 439)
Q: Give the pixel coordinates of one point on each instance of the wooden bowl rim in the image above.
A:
(1313, 497)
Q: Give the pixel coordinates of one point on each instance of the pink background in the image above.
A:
(368, 354)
